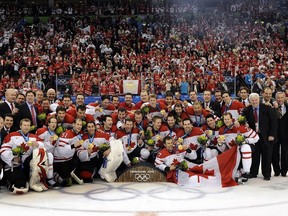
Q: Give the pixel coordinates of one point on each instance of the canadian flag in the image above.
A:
(219, 171)
(89, 29)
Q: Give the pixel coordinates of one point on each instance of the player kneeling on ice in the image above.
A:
(64, 154)
(231, 135)
(91, 153)
(25, 160)
(49, 138)
(171, 157)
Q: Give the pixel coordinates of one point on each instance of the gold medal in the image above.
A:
(55, 137)
(29, 143)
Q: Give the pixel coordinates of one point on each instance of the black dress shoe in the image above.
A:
(276, 174)
(283, 174)
(267, 178)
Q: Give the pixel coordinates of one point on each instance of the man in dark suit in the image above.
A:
(212, 106)
(244, 94)
(8, 126)
(9, 105)
(30, 111)
(263, 120)
(218, 98)
(280, 166)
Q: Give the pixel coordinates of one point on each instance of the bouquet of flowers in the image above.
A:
(42, 116)
(178, 120)
(145, 110)
(135, 160)
(84, 123)
(209, 134)
(221, 139)
(239, 139)
(150, 142)
(242, 120)
(183, 166)
(202, 139)
(219, 123)
(148, 134)
(59, 130)
(20, 150)
(32, 127)
(103, 147)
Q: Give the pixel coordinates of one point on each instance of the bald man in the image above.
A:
(9, 105)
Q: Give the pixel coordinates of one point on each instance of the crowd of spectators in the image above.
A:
(165, 47)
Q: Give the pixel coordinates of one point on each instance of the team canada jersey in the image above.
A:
(128, 108)
(190, 138)
(251, 137)
(157, 135)
(63, 150)
(213, 136)
(44, 134)
(16, 140)
(142, 125)
(138, 105)
(197, 120)
(111, 132)
(174, 130)
(130, 140)
(235, 108)
(66, 123)
(165, 159)
(97, 139)
(103, 110)
(156, 111)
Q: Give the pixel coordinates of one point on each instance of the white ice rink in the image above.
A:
(257, 197)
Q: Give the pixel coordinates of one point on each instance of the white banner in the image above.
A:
(130, 86)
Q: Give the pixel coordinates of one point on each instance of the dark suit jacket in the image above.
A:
(24, 112)
(4, 109)
(283, 125)
(215, 106)
(4, 133)
(267, 121)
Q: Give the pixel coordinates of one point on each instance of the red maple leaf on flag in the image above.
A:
(232, 143)
(199, 172)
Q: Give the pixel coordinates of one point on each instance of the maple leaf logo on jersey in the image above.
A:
(175, 162)
(131, 146)
(193, 146)
(25, 147)
(95, 149)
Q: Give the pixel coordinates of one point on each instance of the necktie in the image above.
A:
(33, 116)
(12, 106)
(243, 102)
(280, 111)
(255, 115)
(207, 104)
